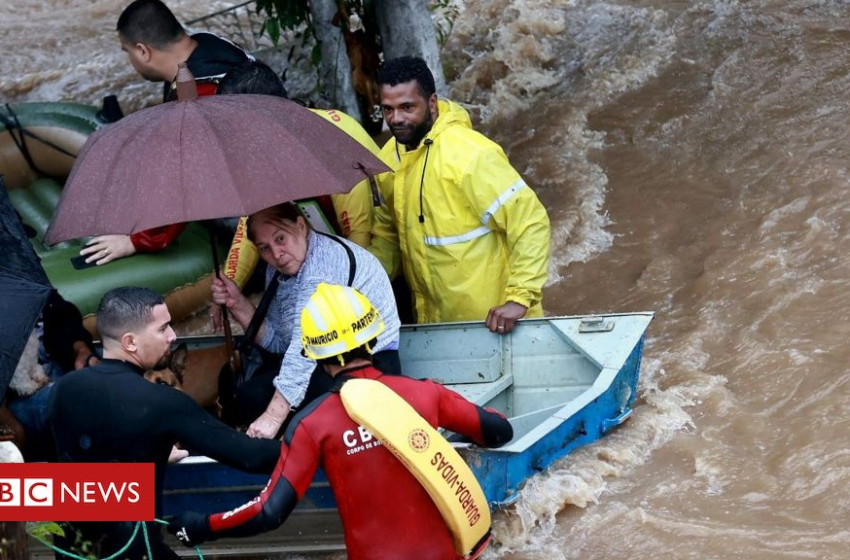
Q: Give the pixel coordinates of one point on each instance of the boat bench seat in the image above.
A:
(179, 270)
(482, 393)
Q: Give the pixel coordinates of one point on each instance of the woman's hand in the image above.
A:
(270, 421)
(225, 292)
(106, 248)
(177, 455)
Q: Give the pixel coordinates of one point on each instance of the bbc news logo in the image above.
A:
(77, 492)
(33, 492)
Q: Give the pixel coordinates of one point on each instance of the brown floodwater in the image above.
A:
(694, 160)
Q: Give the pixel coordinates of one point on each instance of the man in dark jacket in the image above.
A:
(109, 413)
(156, 43)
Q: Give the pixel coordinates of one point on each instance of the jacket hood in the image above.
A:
(450, 114)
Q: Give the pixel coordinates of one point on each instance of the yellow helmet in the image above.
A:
(336, 320)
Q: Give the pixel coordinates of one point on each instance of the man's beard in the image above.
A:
(162, 363)
(411, 136)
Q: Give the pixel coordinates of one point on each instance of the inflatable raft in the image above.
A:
(38, 146)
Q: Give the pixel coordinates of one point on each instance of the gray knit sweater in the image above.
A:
(326, 261)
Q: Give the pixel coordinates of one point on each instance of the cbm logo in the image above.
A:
(27, 492)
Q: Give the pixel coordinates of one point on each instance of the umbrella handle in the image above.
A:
(233, 357)
(373, 185)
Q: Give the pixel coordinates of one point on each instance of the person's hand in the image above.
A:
(177, 455)
(225, 292)
(83, 356)
(106, 248)
(191, 528)
(270, 421)
(502, 319)
(266, 426)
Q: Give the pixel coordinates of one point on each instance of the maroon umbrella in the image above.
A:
(210, 157)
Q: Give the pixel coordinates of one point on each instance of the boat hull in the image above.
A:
(599, 375)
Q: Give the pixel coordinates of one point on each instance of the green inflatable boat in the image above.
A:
(38, 146)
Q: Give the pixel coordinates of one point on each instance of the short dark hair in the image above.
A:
(285, 211)
(124, 310)
(359, 353)
(252, 77)
(405, 69)
(149, 22)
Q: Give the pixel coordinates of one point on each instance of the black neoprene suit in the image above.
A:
(110, 413)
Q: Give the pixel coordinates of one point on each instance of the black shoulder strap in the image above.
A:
(352, 264)
(260, 313)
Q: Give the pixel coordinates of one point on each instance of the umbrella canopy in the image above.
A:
(205, 158)
(24, 288)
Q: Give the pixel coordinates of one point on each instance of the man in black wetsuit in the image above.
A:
(109, 413)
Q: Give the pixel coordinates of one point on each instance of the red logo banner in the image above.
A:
(77, 492)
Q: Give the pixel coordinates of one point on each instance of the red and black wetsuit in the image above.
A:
(209, 62)
(385, 511)
(110, 413)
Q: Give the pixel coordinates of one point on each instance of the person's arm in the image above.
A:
(384, 233)
(505, 203)
(288, 484)
(484, 426)
(199, 432)
(226, 293)
(156, 239)
(104, 249)
(295, 369)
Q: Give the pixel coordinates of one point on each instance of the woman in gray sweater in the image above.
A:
(304, 258)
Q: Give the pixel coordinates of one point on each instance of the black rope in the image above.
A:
(428, 143)
(18, 134)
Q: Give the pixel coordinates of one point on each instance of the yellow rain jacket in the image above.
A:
(353, 210)
(469, 233)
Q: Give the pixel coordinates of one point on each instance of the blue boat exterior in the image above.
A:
(212, 487)
(502, 474)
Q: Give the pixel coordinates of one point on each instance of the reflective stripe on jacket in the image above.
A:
(475, 237)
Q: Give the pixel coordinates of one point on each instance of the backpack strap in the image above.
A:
(352, 264)
(260, 313)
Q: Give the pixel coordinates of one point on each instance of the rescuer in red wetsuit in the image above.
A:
(155, 43)
(385, 511)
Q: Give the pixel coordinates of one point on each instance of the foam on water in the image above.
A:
(547, 65)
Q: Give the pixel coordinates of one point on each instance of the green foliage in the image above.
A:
(291, 15)
(284, 15)
(43, 529)
(447, 13)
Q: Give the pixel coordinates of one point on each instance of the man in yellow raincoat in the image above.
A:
(471, 236)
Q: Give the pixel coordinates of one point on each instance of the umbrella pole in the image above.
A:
(233, 357)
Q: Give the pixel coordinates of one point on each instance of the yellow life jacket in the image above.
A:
(421, 449)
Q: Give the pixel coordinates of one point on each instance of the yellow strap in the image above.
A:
(426, 454)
